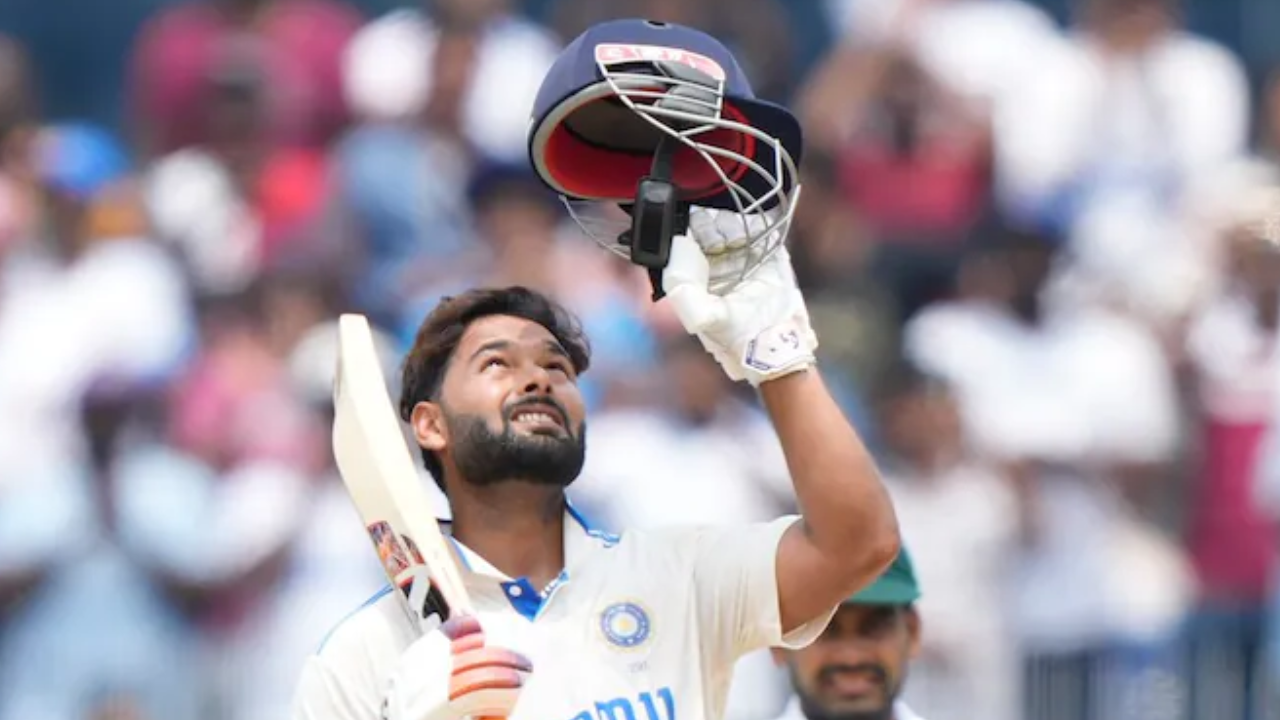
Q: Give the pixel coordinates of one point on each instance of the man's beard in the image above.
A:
(813, 709)
(483, 457)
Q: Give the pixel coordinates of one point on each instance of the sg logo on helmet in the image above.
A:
(612, 53)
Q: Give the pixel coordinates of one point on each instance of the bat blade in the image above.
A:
(385, 487)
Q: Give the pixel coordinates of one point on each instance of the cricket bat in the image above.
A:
(378, 471)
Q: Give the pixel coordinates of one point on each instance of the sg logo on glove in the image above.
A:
(774, 349)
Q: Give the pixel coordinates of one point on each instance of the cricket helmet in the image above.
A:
(637, 112)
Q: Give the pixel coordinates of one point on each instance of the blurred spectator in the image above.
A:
(961, 519)
(917, 170)
(97, 638)
(323, 567)
(916, 164)
(400, 201)
(695, 440)
(17, 95)
(980, 50)
(1232, 360)
(238, 446)
(234, 405)
(435, 92)
(977, 52)
(17, 124)
(299, 44)
(851, 312)
(234, 205)
(1080, 404)
(1269, 119)
(913, 145)
(1106, 139)
(92, 300)
(90, 310)
(473, 66)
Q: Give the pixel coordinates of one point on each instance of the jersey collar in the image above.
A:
(580, 538)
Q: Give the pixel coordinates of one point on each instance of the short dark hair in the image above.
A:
(438, 337)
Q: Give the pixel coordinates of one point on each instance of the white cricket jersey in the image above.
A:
(642, 626)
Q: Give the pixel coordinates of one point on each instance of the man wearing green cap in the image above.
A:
(856, 669)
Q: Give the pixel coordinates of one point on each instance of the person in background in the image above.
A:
(17, 125)
(1268, 143)
(439, 90)
(287, 509)
(1231, 355)
(97, 319)
(917, 169)
(962, 518)
(857, 668)
(1106, 141)
(235, 205)
(301, 44)
(1079, 403)
(470, 68)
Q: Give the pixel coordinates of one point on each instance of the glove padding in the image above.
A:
(759, 330)
(451, 674)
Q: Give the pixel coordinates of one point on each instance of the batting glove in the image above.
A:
(759, 329)
(452, 675)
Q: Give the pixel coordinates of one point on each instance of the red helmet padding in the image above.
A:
(587, 171)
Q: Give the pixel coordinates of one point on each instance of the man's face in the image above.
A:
(509, 407)
(856, 669)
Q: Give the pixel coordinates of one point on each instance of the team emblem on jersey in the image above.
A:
(626, 625)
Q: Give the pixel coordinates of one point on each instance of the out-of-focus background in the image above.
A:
(1038, 241)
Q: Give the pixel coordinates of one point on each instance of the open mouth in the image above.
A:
(854, 684)
(534, 418)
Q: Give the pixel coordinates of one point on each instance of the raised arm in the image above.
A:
(759, 332)
(849, 534)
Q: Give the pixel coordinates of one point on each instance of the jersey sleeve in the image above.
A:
(325, 692)
(347, 677)
(736, 580)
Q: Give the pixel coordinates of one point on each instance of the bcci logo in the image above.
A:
(625, 625)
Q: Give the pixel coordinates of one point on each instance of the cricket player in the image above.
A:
(855, 670)
(573, 623)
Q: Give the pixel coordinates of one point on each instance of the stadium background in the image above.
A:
(1039, 267)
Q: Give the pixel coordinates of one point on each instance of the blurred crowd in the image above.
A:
(1042, 259)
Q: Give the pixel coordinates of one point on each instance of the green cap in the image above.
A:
(897, 586)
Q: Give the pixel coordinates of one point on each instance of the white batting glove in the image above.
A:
(759, 330)
(451, 674)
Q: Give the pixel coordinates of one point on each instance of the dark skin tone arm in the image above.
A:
(849, 534)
